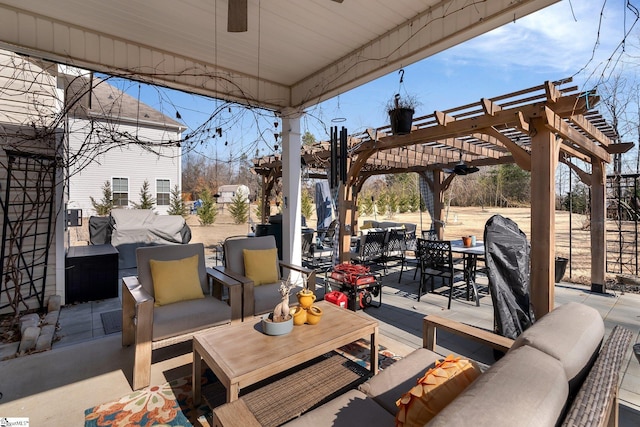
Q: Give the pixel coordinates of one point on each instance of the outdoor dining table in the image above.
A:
(470, 256)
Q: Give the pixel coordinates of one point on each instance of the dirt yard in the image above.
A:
(460, 221)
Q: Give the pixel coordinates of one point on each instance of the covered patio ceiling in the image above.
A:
(294, 54)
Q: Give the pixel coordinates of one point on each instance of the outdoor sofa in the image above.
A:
(555, 373)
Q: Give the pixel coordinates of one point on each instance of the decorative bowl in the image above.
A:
(276, 328)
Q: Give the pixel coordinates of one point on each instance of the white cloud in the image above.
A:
(557, 39)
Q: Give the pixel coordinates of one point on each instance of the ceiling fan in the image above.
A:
(462, 168)
(237, 18)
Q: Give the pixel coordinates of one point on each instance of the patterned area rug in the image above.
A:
(171, 403)
(359, 352)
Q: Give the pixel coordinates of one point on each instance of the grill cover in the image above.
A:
(507, 259)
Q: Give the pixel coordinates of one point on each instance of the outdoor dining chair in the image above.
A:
(371, 250)
(436, 261)
(326, 235)
(395, 247)
(410, 245)
(429, 234)
(314, 256)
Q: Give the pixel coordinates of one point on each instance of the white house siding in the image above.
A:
(131, 162)
(30, 104)
(28, 90)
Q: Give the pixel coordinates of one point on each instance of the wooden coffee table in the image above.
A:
(241, 355)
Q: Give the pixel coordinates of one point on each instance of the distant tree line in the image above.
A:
(500, 186)
(201, 172)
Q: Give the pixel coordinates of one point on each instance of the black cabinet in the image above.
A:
(91, 273)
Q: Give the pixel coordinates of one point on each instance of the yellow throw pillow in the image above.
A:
(435, 390)
(261, 265)
(175, 281)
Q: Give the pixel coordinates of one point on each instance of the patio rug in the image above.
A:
(171, 404)
(111, 321)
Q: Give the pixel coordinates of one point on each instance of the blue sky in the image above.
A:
(547, 45)
(579, 39)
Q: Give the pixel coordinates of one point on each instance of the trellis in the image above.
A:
(28, 213)
(623, 233)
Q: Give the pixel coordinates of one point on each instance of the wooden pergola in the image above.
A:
(535, 128)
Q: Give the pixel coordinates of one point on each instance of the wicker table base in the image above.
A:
(283, 399)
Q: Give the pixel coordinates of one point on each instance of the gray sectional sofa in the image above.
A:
(555, 373)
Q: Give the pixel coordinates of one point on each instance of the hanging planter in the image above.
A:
(401, 112)
(401, 120)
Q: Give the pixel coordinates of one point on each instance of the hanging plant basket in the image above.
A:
(401, 120)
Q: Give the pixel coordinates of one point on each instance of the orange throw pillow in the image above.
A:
(435, 390)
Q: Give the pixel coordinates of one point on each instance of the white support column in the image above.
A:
(291, 212)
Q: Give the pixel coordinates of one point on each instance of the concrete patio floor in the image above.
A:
(87, 367)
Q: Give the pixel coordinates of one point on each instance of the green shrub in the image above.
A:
(176, 204)
(146, 200)
(239, 208)
(103, 208)
(208, 212)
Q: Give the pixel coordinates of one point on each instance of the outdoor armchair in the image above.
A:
(260, 296)
(173, 297)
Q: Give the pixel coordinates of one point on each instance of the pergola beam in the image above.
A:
(521, 156)
(619, 148)
(565, 106)
(580, 121)
(584, 177)
(557, 124)
(569, 150)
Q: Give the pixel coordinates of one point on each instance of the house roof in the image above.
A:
(93, 97)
